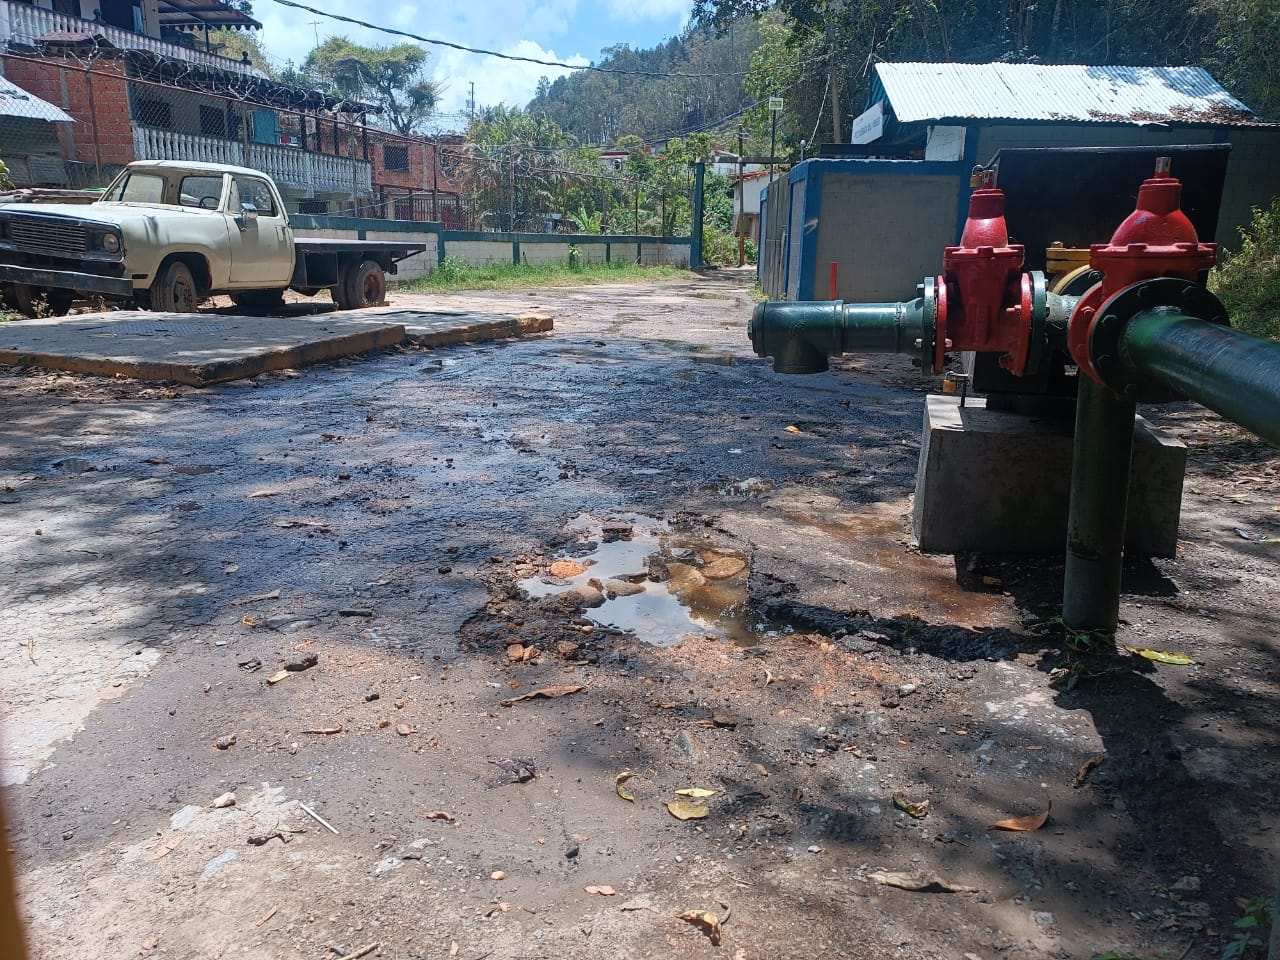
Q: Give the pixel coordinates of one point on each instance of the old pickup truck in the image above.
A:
(167, 234)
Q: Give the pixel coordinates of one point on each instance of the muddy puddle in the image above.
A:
(663, 581)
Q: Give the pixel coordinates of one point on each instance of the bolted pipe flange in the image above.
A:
(928, 291)
(1107, 356)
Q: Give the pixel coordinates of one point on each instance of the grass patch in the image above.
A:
(454, 275)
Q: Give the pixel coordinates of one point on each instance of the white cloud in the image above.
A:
(497, 81)
(289, 35)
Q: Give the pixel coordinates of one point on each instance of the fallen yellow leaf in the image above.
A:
(624, 792)
(705, 919)
(1162, 656)
(684, 810)
(697, 793)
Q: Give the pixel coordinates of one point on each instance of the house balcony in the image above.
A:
(294, 171)
(23, 24)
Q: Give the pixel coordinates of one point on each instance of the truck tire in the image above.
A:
(364, 286)
(174, 290)
(21, 297)
(259, 301)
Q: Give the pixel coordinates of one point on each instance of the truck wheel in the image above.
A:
(175, 290)
(261, 301)
(21, 297)
(365, 286)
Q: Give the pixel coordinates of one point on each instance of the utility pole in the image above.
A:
(775, 107)
(742, 206)
(833, 79)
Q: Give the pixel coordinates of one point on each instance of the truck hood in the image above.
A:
(109, 214)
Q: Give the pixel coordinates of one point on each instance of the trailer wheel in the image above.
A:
(364, 286)
(174, 290)
(261, 301)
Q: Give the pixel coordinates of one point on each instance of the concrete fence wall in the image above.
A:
(479, 249)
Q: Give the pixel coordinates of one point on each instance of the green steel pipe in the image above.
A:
(1099, 499)
(1231, 373)
(801, 335)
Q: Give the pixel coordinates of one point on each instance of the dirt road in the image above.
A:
(336, 593)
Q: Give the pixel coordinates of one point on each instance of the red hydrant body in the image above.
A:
(984, 298)
(1156, 240)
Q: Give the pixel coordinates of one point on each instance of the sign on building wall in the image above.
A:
(869, 125)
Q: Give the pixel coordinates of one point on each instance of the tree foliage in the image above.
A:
(1248, 281)
(236, 43)
(395, 78)
(599, 108)
(1234, 39)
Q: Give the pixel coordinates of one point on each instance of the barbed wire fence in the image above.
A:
(329, 156)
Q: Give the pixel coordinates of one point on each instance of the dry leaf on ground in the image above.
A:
(1024, 824)
(438, 815)
(708, 921)
(919, 809)
(697, 793)
(545, 693)
(1162, 656)
(1086, 768)
(623, 791)
(273, 595)
(684, 810)
(919, 882)
(604, 891)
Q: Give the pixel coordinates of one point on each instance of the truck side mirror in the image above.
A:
(248, 214)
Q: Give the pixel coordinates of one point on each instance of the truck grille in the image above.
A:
(48, 235)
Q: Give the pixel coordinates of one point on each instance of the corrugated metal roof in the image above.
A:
(1028, 91)
(16, 102)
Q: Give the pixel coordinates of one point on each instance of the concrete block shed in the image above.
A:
(863, 228)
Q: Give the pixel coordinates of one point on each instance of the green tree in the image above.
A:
(236, 43)
(395, 78)
(522, 166)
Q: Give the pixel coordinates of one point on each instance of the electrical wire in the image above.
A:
(507, 56)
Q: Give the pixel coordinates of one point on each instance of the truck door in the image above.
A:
(261, 251)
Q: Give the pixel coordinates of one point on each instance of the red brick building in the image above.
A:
(154, 93)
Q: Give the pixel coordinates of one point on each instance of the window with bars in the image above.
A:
(155, 113)
(395, 156)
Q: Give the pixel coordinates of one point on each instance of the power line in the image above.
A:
(504, 56)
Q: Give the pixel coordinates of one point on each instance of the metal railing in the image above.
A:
(23, 23)
(288, 166)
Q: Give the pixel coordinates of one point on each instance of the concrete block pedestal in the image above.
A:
(1000, 483)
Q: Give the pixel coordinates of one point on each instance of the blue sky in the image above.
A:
(571, 31)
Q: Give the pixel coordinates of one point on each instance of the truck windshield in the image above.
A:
(137, 188)
(194, 190)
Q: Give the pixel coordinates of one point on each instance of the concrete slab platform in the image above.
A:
(206, 348)
(1001, 482)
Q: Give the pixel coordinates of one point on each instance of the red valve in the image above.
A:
(1156, 240)
(984, 299)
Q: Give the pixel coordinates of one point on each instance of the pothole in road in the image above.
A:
(660, 580)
